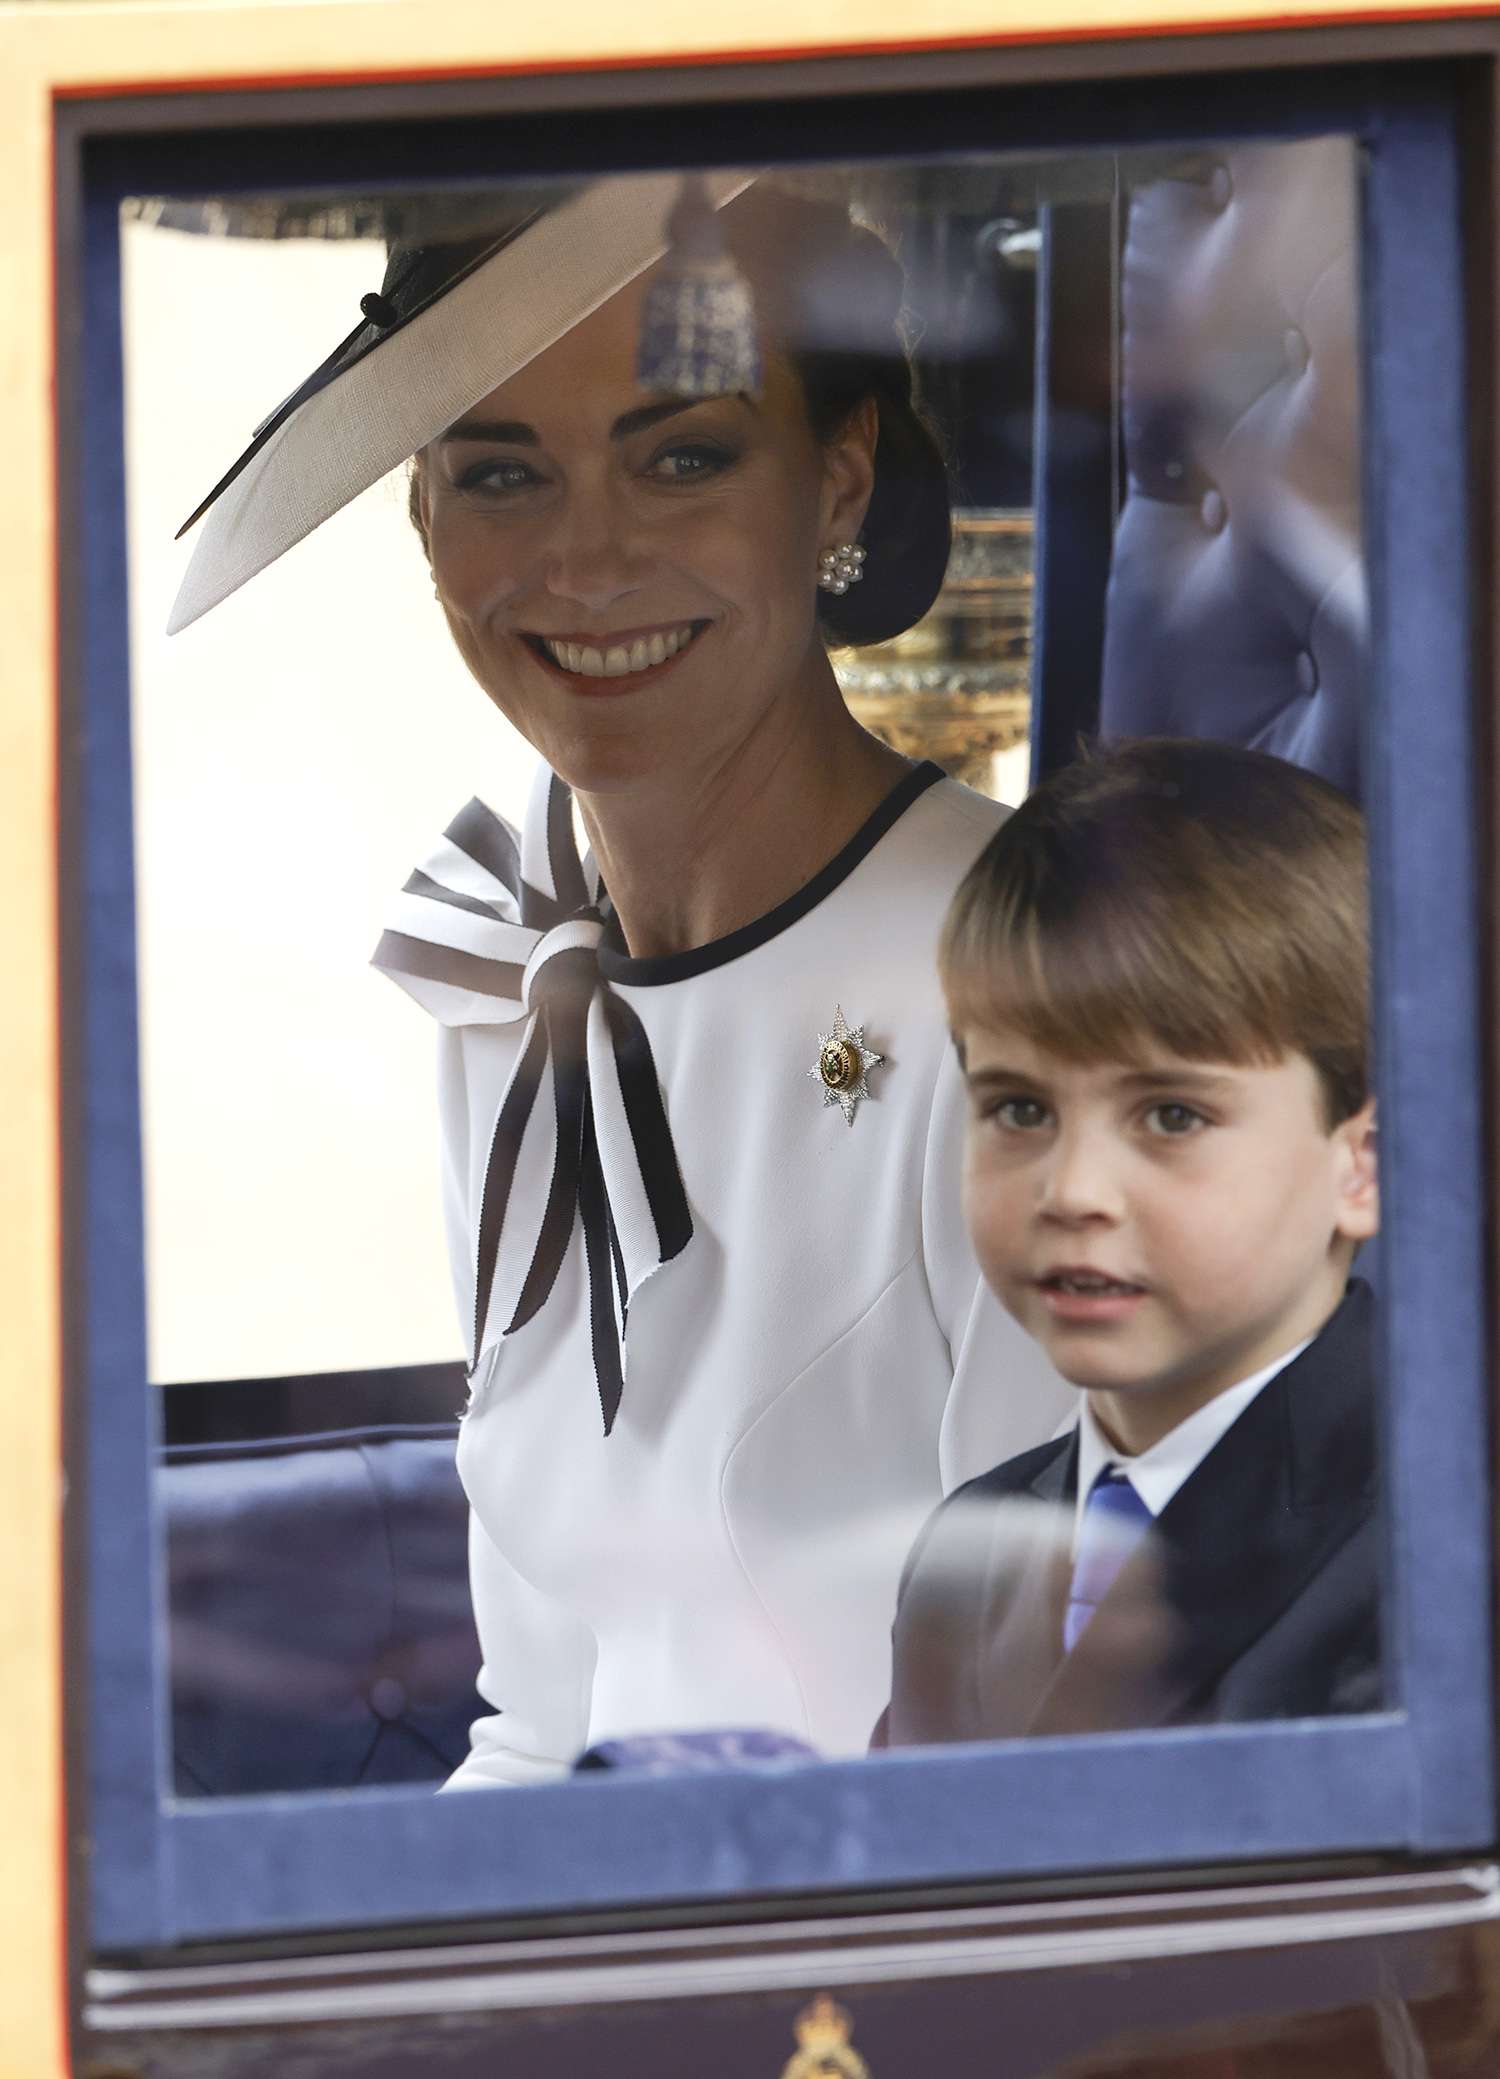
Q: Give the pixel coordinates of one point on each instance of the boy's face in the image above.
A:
(1164, 1228)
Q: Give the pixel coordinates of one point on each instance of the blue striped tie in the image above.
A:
(1114, 1518)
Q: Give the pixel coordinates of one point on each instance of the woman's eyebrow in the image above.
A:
(646, 415)
(513, 432)
(517, 434)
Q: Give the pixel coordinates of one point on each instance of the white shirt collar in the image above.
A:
(1156, 1474)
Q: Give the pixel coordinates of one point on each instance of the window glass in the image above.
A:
(731, 1152)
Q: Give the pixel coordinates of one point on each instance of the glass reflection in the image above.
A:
(696, 527)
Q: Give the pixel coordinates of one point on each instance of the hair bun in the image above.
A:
(907, 534)
(830, 291)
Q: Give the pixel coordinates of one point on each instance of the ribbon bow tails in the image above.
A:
(487, 932)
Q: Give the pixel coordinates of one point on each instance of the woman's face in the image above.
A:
(632, 578)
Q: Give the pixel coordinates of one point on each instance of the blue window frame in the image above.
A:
(1415, 1779)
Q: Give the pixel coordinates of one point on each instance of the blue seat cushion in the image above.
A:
(320, 1627)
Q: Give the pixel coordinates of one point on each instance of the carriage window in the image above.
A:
(299, 1308)
(645, 1295)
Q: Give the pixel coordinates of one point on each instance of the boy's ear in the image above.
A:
(1358, 1179)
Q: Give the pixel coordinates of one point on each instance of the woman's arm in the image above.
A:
(537, 1659)
(537, 1676)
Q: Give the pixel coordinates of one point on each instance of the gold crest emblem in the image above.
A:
(823, 2047)
(843, 1063)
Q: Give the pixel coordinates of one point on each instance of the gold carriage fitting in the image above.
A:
(955, 688)
(824, 2050)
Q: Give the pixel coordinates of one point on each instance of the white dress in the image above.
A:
(806, 1377)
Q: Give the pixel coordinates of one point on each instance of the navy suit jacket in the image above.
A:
(1264, 1577)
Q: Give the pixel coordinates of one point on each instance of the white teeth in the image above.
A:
(619, 658)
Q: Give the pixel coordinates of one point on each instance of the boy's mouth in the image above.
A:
(1086, 1281)
(1079, 1295)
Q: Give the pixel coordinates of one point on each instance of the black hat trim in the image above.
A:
(375, 310)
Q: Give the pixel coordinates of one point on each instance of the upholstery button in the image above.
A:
(1221, 187)
(1297, 351)
(1213, 512)
(1307, 673)
(387, 1697)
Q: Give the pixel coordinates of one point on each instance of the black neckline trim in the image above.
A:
(616, 965)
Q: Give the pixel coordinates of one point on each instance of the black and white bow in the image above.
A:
(489, 933)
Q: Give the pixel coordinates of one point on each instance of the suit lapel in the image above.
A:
(1273, 1501)
(1020, 1637)
(1266, 1510)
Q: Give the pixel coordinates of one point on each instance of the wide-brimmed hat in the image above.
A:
(448, 326)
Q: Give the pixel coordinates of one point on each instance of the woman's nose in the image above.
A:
(588, 558)
(1081, 1184)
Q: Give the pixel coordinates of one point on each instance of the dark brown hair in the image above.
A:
(830, 293)
(1191, 896)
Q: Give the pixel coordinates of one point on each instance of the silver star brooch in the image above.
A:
(842, 1064)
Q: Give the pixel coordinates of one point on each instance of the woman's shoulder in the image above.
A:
(942, 832)
(964, 808)
(886, 902)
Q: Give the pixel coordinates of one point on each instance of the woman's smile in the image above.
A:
(618, 661)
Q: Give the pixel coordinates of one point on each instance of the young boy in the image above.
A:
(1156, 976)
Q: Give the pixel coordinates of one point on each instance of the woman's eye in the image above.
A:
(1020, 1114)
(497, 477)
(1174, 1120)
(688, 461)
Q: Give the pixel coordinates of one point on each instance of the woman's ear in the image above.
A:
(849, 473)
(1358, 1181)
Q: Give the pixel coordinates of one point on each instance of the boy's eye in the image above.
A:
(687, 461)
(1020, 1114)
(1174, 1120)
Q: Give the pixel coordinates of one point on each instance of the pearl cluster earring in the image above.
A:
(842, 567)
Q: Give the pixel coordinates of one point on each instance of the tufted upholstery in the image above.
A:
(1236, 603)
(321, 1635)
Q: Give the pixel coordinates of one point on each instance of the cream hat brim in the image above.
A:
(391, 402)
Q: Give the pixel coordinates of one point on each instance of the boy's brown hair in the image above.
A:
(1192, 896)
